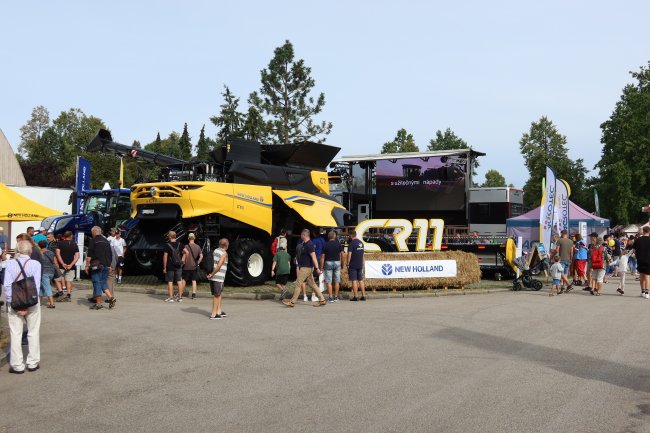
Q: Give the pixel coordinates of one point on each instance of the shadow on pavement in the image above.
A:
(582, 366)
(195, 310)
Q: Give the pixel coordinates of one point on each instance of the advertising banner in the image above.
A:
(547, 211)
(563, 191)
(410, 268)
(427, 183)
(83, 182)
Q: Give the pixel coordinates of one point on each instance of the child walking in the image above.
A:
(556, 273)
(622, 270)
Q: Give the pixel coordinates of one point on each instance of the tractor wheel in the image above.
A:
(248, 262)
(537, 285)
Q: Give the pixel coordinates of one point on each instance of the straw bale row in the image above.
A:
(468, 271)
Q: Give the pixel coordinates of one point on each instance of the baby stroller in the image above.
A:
(527, 271)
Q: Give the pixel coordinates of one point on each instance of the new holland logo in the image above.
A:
(387, 269)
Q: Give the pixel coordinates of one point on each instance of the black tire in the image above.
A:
(244, 266)
(516, 286)
(537, 285)
(498, 276)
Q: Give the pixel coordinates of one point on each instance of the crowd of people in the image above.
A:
(591, 263)
(47, 265)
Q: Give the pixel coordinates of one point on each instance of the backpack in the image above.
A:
(177, 263)
(23, 292)
(196, 258)
(597, 258)
(207, 264)
(274, 246)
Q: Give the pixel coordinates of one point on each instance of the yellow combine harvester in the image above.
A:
(248, 193)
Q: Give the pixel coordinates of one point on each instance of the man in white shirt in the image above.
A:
(32, 315)
(119, 250)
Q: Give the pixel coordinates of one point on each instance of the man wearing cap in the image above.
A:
(40, 236)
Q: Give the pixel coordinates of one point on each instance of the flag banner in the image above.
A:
(410, 268)
(597, 203)
(563, 192)
(547, 211)
(83, 182)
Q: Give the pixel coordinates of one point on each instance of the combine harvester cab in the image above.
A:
(247, 194)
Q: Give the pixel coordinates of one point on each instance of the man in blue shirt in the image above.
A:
(3, 239)
(355, 266)
(306, 264)
(40, 236)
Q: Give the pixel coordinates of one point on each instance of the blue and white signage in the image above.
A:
(410, 268)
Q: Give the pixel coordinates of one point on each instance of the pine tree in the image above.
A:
(202, 149)
(285, 100)
(185, 145)
(229, 121)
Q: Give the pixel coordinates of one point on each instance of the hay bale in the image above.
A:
(467, 267)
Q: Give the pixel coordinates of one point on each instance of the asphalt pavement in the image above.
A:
(501, 362)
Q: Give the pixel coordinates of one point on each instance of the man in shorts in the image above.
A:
(192, 256)
(355, 266)
(67, 254)
(217, 278)
(642, 253)
(564, 246)
(119, 250)
(281, 267)
(100, 254)
(173, 266)
(598, 264)
(330, 263)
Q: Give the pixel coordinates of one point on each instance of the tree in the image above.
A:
(493, 179)
(229, 121)
(31, 131)
(202, 149)
(543, 145)
(624, 182)
(136, 144)
(185, 144)
(446, 141)
(285, 100)
(403, 142)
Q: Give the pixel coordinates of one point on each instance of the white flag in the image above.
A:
(547, 210)
(563, 192)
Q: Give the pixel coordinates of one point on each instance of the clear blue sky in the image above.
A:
(484, 69)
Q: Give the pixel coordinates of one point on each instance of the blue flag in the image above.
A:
(83, 182)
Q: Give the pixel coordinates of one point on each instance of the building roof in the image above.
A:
(10, 171)
(405, 155)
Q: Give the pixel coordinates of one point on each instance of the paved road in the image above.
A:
(507, 362)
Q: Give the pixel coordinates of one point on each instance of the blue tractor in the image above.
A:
(104, 208)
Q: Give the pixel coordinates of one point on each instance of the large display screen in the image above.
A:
(428, 183)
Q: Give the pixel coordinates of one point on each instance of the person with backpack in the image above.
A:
(22, 281)
(598, 260)
(192, 256)
(281, 267)
(580, 257)
(173, 266)
(276, 242)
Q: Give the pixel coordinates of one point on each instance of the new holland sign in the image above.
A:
(410, 268)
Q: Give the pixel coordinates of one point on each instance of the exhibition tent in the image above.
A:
(15, 207)
(527, 225)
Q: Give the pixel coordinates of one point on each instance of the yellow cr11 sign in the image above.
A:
(405, 229)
